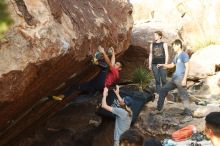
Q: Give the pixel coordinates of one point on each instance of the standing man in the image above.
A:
(181, 61)
(212, 127)
(158, 55)
(123, 113)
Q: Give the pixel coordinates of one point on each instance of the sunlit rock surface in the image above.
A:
(143, 33)
(204, 62)
(197, 21)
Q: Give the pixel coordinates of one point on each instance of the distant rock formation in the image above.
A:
(197, 21)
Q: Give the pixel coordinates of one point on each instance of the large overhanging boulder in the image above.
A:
(49, 43)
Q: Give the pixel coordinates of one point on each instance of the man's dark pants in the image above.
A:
(96, 84)
(160, 75)
(176, 83)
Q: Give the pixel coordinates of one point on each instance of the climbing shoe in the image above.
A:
(95, 61)
(59, 98)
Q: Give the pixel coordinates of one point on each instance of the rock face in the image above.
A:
(133, 58)
(50, 43)
(142, 36)
(143, 33)
(207, 89)
(71, 127)
(203, 63)
(186, 16)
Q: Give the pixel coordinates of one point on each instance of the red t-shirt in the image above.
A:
(111, 77)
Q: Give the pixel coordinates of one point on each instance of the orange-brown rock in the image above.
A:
(49, 43)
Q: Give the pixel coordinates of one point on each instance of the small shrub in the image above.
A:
(5, 19)
(199, 44)
(141, 76)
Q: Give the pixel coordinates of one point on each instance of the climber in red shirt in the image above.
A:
(107, 76)
(114, 68)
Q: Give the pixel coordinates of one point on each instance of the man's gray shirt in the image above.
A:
(180, 60)
(122, 121)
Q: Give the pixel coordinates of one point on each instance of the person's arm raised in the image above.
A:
(113, 56)
(117, 94)
(107, 60)
(104, 104)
